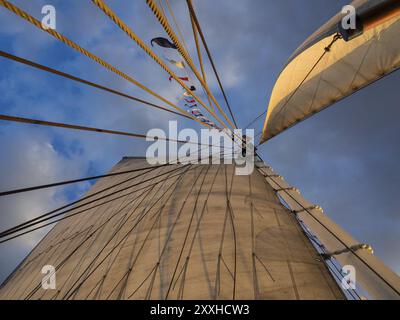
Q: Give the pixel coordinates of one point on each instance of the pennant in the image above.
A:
(183, 78)
(190, 106)
(163, 42)
(186, 94)
(192, 88)
(196, 113)
(178, 64)
(190, 101)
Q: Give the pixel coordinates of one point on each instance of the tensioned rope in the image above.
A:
(72, 290)
(89, 83)
(44, 218)
(72, 253)
(76, 127)
(89, 196)
(187, 232)
(91, 129)
(171, 11)
(141, 216)
(198, 27)
(164, 22)
(199, 55)
(255, 119)
(52, 213)
(327, 49)
(13, 8)
(178, 28)
(56, 184)
(65, 217)
(114, 17)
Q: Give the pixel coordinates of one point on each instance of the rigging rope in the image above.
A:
(198, 27)
(90, 129)
(186, 48)
(114, 17)
(86, 197)
(164, 22)
(44, 217)
(11, 7)
(56, 184)
(326, 50)
(13, 229)
(89, 83)
(199, 55)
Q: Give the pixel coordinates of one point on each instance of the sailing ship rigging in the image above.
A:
(187, 231)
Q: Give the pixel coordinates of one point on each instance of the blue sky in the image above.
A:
(344, 159)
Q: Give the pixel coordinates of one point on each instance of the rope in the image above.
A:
(72, 253)
(83, 199)
(83, 51)
(31, 222)
(42, 219)
(70, 292)
(89, 268)
(199, 55)
(196, 21)
(174, 224)
(255, 119)
(114, 17)
(164, 22)
(56, 184)
(90, 129)
(186, 48)
(326, 50)
(187, 230)
(89, 83)
(231, 216)
(76, 127)
(180, 33)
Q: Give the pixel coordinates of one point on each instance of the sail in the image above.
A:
(334, 63)
(177, 232)
(379, 281)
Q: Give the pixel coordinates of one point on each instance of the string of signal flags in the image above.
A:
(187, 98)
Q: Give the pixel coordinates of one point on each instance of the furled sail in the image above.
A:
(334, 63)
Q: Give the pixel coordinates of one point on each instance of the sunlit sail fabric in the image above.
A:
(345, 68)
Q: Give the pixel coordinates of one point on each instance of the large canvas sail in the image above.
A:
(197, 232)
(332, 64)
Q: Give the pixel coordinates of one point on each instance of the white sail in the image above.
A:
(379, 281)
(326, 69)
